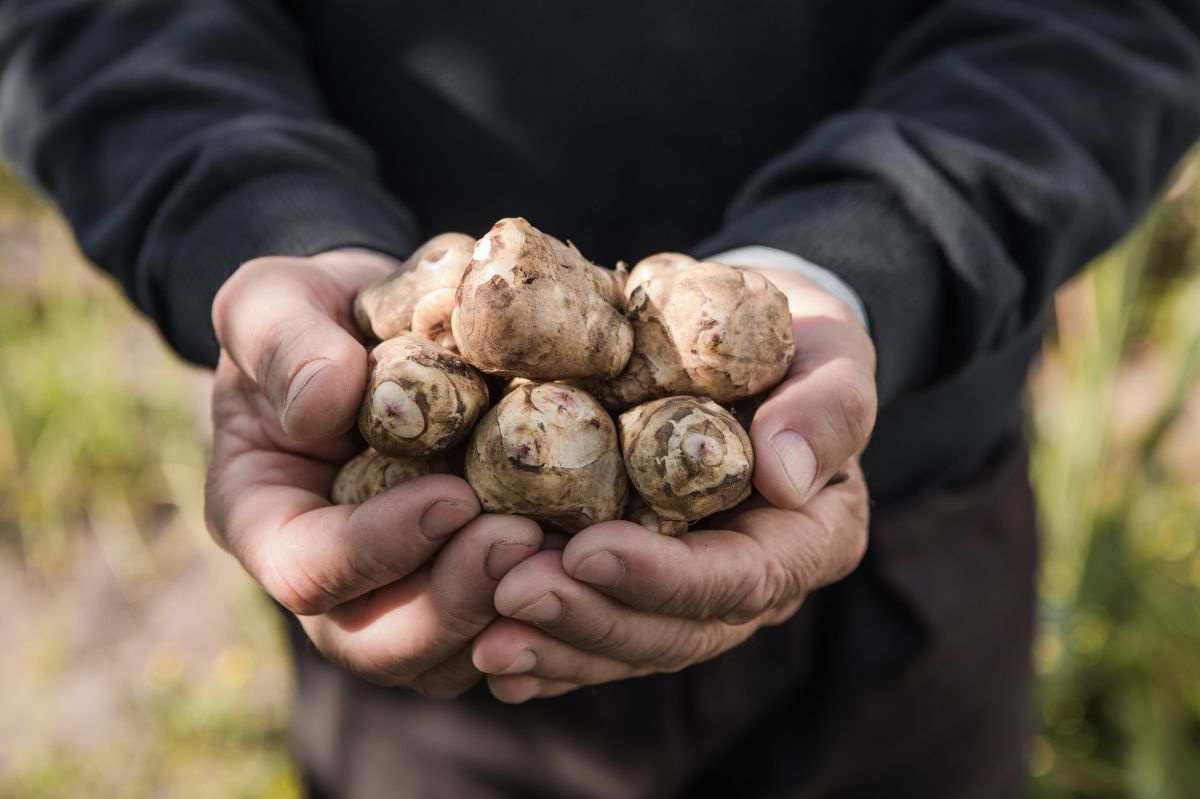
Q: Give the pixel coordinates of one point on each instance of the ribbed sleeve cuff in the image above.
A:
(857, 230)
(284, 214)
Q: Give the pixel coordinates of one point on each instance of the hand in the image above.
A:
(621, 602)
(394, 589)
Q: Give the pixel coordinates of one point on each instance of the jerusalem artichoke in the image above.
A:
(705, 330)
(421, 399)
(371, 473)
(530, 306)
(419, 297)
(687, 458)
(548, 451)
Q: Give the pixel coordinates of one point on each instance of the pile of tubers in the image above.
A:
(566, 345)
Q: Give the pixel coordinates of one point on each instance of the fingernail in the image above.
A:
(603, 569)
(444, 517)
(502, 556)
(300, 381)
(526, 661)
(543, 611)
(798, 460)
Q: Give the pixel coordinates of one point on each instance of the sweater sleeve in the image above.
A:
(181, 138)
(996, 149)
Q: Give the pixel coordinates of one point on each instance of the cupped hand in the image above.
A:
(394, 589)
(622, 602)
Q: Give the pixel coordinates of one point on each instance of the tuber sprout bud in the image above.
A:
(687, 458)
(421, 399)
(548, 451)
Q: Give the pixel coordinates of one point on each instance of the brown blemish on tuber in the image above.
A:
(531, 306)
(421, 399)
(420, 296)
(705, 330)
(371, 473)
(548, 451)
(687, 458)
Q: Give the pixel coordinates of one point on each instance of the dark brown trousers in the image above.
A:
(911, 678)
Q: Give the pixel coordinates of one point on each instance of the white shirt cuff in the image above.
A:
(771, 258)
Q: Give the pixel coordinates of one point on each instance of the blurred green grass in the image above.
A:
(140, 662)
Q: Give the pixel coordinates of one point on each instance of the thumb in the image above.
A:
(815, 421)
(285, 322)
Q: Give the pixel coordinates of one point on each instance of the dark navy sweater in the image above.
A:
(952, 161)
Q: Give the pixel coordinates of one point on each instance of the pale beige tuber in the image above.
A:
(705, 330)
(687, 458)
(548, 451)
(420, 296)
(371, 473)
(421, 399)
(530, 306)
(663, 264)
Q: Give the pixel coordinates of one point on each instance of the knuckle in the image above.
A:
(760, 596)
(295, 589)
(687, 647)
(605, 637)
(856, 405)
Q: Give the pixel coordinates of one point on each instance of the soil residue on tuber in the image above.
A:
(687, 458)
(531, 306)
(422, 400)
(548, 451)
(703, 329)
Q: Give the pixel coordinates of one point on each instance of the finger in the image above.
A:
(539, 592)
(413, 631)
(764, 558)
(820, 416)
(508, 647)
(285, 323)
(517, 688)
(270, 510)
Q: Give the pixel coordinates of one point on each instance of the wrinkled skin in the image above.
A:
(687, 458)
(548, 451)
(619, 602)
(395, 589)
(530, 306)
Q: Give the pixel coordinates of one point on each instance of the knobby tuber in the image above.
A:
(687, 458)
(371, 473)
(663, 264)
(548, 451)
(530, 306)
(421, 399)
(420, 296)
(703, 329)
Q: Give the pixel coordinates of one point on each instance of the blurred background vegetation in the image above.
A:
(138, 661)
